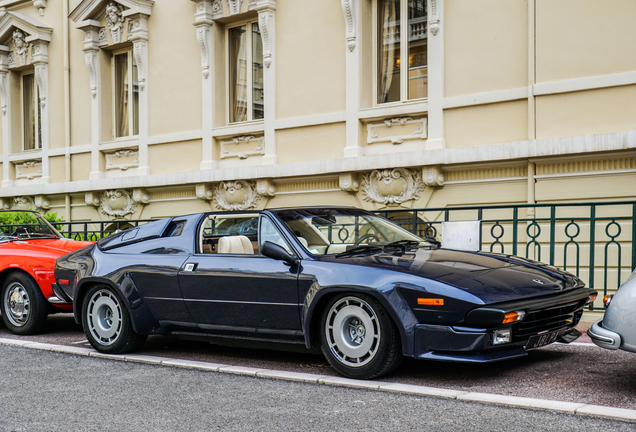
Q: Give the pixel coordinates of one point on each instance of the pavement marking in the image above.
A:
(488, 398)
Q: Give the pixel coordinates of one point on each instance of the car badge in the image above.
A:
(537, 281)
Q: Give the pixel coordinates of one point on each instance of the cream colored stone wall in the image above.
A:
(511, 83)
(486, 46)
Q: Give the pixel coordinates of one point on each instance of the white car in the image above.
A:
(617, 328)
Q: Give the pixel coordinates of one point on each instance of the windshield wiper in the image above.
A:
(359, 249)
(9, 238)
(402, 244)
(39, 235)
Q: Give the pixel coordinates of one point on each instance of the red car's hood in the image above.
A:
(54, 247)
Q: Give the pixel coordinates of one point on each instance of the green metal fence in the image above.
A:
(596, 241)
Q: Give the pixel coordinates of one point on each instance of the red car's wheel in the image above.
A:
(107, 323)
(24, 308)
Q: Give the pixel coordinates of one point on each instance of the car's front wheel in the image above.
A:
(106, 322)
(358, 337)
(24, 308)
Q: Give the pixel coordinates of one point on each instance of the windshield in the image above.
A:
(25, 225)
(334, 231)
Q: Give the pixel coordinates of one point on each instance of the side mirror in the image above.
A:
(277, 252)
(434, 242)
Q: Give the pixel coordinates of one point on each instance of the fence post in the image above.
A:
(515, 223)
(552, 233)
(592, 243)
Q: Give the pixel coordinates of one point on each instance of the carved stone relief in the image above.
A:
(202, 38)
(93, 198)
(235, 6)
(40, 4)
(433, 22)
(217, 6)
(236, 195)
(122, 160)
(20, 46)
(266, 187)
(350, 24)
(117, 203)
(23, 203)
(264, 19)
(242, 147)
(91, 59)
(115, 21)
(204, 192)
(397, 130)
(392, 186)
(433, 176)
(28, 170)
(4, 79)
(349, 182)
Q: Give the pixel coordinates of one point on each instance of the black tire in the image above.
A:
(24, 308)
(359, 338)
(106, 322)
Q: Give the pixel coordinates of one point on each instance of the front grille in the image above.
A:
(545, 320)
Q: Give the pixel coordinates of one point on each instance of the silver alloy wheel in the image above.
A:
(17, 304)
(353, 331)
(104, 317)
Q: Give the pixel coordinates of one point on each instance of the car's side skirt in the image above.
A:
(234, 332)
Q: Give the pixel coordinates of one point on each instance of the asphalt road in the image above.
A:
(42, 390)
(583, 374)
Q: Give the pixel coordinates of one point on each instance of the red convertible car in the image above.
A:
(29, 246)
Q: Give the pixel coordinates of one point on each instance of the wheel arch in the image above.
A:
(314, 313)
(142, 320)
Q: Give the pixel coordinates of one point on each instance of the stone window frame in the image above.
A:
(135, 15)
(37, 36)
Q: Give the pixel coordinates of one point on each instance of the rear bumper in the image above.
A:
(447, 343)
(603, 337)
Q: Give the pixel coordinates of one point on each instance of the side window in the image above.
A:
(231, 234)
(270, 233)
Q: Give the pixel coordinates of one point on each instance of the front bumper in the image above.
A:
(460, 344)
(603, 337)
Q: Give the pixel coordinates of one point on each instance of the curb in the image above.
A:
(487, 398)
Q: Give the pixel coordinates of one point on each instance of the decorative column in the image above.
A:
(91, 55)
(40, 60)
(435, 75)
(350, 10)
(138, 35)
(203, 24)
(267, 26)
(5, 103)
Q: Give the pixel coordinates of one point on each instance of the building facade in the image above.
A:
(142, 109)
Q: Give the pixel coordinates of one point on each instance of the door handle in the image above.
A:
(190, 267)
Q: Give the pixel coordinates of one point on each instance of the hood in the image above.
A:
(43, 247)
(488, 276)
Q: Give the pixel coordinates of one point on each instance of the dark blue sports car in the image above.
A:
(360, 287)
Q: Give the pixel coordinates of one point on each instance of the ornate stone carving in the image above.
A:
(11, 59)
(236, 195)
(392, 186)
(115, 21)
(40, 4)
(349, 182)
(41, 202)
(266, 187)
(103, 39)
(235, 6)
(202, 38)
(91, 58)
(204, 192)
(92, 198)
(350, 24)
(41, 79)
(141, 196)
(20, 45)
(242, 147)
(433, 22)
(122, 160)
(433, 176)
(141, 73)
(117, 203)
(6, 203)
(23, 203)
(217, 6)
(397, 130)
(28, 170)
(264, 18)
(4, 79)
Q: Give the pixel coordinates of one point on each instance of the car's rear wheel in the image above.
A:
(106, 322)
(24, 308)
(358, 337)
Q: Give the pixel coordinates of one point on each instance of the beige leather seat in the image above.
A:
(304, 242)
(235, 245)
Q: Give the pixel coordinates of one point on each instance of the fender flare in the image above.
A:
(142, 320)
